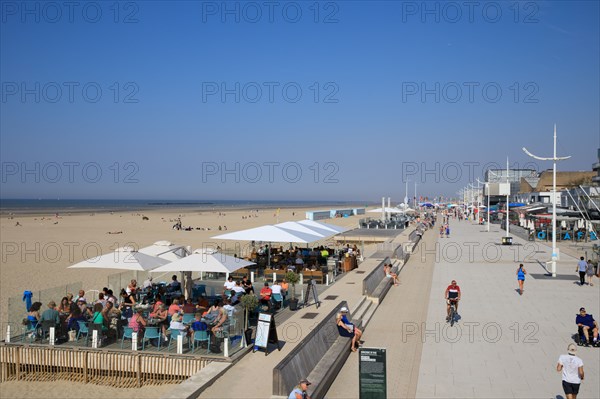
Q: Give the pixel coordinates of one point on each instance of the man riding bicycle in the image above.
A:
(452, 296)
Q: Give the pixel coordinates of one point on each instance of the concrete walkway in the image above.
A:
(252, 376)
(405, 307)
(505, 345)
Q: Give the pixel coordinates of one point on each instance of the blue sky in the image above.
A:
(303, 101)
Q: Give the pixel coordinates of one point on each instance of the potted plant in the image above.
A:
(293, 278)
(249, 303)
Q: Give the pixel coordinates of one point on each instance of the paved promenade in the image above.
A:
(403, 305)
(252, 376)
(505, 345)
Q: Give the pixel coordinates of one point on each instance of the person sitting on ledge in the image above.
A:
(347, 329)
(387, 269)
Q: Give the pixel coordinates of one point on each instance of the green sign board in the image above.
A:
(372, 373)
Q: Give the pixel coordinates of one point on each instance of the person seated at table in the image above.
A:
(228, 306)
(98, 317)
(265, 295)
(177, 324)
(137, 323)
(70, 299)
(175, 285)
(156, 305)
(198, 325)
(101, 300)
(228, 286)
(237, 292)
(276, 288)
(174, 308)
(162, 319)
(65, 307)
(147, 283)
(73, 318)
(188, 306)
(247, 285)
(112, 298)
(299, 261)
(82, 305)
(219, 322)
(51, 314)
(202, 302)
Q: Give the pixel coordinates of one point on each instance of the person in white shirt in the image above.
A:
(229, 308)
(276, 288)
(572, 371)
(147, 283)
(229, 284)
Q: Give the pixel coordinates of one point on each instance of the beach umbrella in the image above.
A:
(125, 258)
(386, 210)
(205, 261)
(165, 250)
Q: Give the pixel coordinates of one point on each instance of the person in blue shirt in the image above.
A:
(521, 272)
(347, 329)
(586, 323)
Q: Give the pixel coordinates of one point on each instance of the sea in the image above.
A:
(53, 206)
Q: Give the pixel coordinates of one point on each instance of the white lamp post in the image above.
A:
(487, 189)
(554, 159)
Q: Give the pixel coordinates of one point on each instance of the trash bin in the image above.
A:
(506, 240)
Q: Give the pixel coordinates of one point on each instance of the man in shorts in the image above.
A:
(572, 371)
(452, 294)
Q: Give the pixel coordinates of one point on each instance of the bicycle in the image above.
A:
(452, 311)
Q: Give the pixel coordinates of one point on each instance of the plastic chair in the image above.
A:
(173, 337)
(45, 329)
(151, 333)
(277, 299)
(188, 318)
(127, 334)
(201, 336)
(227, 293)
(30, 330)
(83, 329)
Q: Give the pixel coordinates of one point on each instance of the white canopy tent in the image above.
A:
(165, 250)
(386, 210)
(324, 226)
(205, 261)
(271, 234)
(125, 258)
(295, 226)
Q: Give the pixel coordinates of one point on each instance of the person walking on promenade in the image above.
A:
(590, 272)
(572, 371)
(521, 272)
(581, 268)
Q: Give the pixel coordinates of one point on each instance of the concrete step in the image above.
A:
(367, 316)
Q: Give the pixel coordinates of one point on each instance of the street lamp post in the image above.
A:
(487, 189)
(554, 159)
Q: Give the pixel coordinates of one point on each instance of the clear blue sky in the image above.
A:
(163, 120)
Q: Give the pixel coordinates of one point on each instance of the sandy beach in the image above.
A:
(37, 252)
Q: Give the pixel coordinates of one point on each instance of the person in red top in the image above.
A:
(265, 295)
(452, 294)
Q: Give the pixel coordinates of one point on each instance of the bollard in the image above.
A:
(226, 347)
(201, 276)
(95, 339)
(274, 277)
(327, 279)
(134, 341)
(252, 277)
(180, 344)
(51, 336)
(7, 334)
